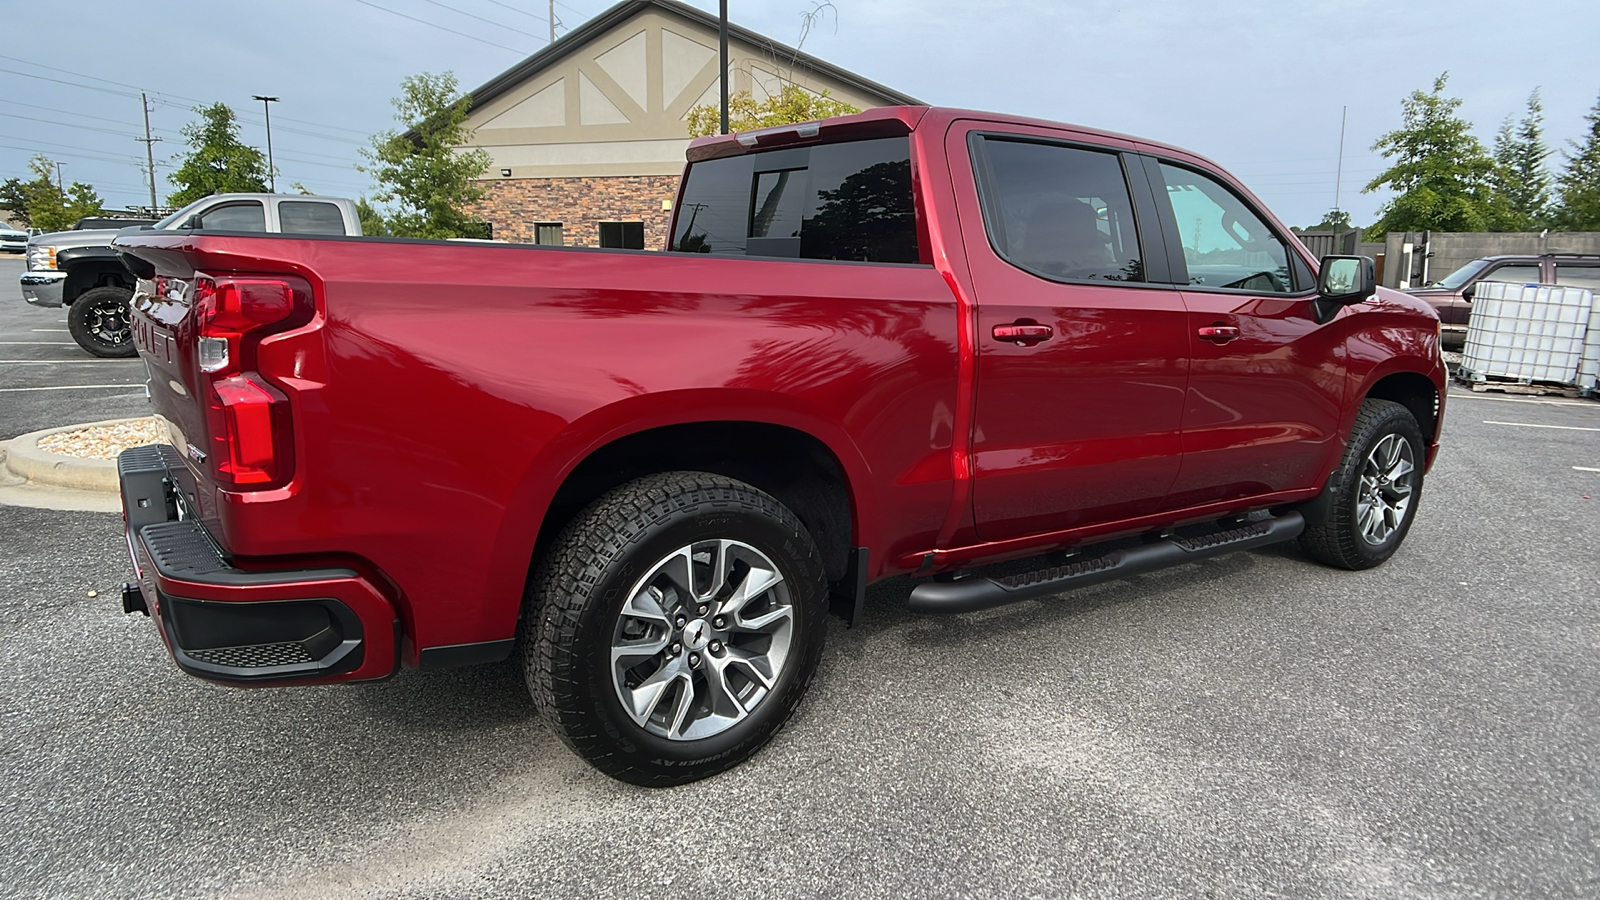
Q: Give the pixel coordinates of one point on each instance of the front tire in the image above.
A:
(1376, 490)
(673, 626)
(98, 320)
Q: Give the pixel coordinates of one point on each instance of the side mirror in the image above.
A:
(1467, 294)
(191, 224)
(1347, 279)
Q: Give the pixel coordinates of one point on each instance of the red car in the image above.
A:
(910, 341)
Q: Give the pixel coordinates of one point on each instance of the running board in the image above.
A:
(975, 593)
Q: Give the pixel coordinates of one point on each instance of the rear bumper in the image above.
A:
(246, 626)
(43, 288)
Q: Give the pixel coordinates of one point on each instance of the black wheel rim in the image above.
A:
(108, 323)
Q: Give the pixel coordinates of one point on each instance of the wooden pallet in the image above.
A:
(1503, 385)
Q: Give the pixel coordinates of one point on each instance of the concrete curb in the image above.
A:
(23, 460)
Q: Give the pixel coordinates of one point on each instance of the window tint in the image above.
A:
(1462, 275)
(1225, 244)
(849, 201)
(309, 217)
(622, 235)
(1579, 276)
(548, 234)
(234, 217)
(1516, 274)
(1060, 212)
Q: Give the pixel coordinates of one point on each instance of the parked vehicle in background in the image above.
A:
(12, 240)
(1451, 296)
(80, 270)
(111, 223)
(909, 341)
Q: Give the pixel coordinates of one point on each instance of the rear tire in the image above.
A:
(673, 626)
(1376, 490)
(98, 320)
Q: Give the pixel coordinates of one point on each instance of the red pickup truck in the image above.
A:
(910, 341)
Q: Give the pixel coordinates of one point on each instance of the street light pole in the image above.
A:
(266, 105)
(722, 43)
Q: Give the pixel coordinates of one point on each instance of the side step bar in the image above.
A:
(975, 593)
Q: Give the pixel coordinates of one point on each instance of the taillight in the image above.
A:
(249, 419)
(245, 438)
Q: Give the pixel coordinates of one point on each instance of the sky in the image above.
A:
(1259, 87)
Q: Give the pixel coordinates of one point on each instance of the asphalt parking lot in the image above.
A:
(1251, 726)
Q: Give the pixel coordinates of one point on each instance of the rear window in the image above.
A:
(848, 201)
(309, 217)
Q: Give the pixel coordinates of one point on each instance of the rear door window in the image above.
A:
(247, 216)
(1579, 276)
(847, 201)
(1060, 212)
(310, 217)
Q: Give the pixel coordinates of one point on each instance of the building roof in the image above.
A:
(578, 37)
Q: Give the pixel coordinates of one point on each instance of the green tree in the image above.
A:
(1336, 220)
(1520, 177)
(790, 105)
(1440, 172)
(424, 171)
(1579, 185)
(40, 202)
(372, 223)
(217, 162)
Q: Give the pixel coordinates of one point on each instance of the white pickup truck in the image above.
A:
(80, 270)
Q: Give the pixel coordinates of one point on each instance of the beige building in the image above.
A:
(587, 137)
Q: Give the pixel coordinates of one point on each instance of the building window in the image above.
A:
(622, 235)
(547, 234)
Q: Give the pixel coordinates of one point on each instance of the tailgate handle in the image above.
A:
(1023, 333)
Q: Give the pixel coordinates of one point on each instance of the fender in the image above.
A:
(514, 544)
(1375, 351)
(86, 265)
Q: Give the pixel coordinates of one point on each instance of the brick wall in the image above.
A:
(514, 205)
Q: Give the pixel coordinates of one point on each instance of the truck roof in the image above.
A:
(885, 121)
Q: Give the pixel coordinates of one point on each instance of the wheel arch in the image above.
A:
(92, 272)
(1417, 393)
(769, 441)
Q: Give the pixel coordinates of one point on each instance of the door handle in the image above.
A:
(1023, 334)
(1218, 334)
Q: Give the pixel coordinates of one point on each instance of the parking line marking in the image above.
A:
(52, 330)
(58, 362)
(1531, 425)
(1452, 396)
(39, 343)
(1586, 469)
(72, 387)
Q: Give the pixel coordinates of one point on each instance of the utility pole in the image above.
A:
(60, 182)
(149, 150)
(266, 104)
(552, 21)
(1338, 177)
(722, 39)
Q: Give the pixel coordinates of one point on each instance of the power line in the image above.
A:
(521, 12)
(440, 27)
(462, 12)
(127, 160)
(89, 87)
(63, 111)
(159, 95)
(69, 125)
